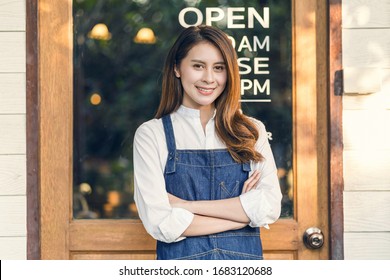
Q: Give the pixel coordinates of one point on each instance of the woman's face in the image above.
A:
(203, 76)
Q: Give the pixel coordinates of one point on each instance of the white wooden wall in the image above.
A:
(366, 49)
(12, 129)
(366, 125)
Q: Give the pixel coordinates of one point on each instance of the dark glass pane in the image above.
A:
(117, 81)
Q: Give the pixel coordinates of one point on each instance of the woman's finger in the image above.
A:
(251, 182)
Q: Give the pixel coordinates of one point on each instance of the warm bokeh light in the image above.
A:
(145, 36)
(95, 99)
(100, 32)
(114, 198)
(85, 188)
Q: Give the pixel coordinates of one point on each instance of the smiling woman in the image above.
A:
(216, 186)
(203, 77)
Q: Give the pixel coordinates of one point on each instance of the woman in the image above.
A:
(192, 162)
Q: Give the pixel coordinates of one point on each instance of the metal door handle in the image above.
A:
(313, 238)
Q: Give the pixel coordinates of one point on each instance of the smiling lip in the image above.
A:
(205, 91)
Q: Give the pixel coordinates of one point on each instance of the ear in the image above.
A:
(177, 72)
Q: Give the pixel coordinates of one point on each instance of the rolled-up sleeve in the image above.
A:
(263, 204)
(160, 220)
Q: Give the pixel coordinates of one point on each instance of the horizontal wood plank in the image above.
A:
(12, 15)
(365, 13)
(366, 48)
(13, 93)
(367, 169)
(12, 52)
(367, 211)
(283, 235)
(367, 246)
(13, 248)
(287, 255)
(12, 216)
(12, 175)
(124, 235)
(113, 256)
(13, 134)
(372, 137)
(374, 101)
(362, 80)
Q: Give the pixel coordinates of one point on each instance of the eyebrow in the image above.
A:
(201, 61)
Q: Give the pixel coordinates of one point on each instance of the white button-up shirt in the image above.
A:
(262, 204)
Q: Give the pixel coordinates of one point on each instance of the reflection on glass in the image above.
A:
(145, 36)
(119, 51)
(100, 32)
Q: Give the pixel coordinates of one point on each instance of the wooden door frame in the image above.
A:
(49, 144)
(335, 122)
(32, 131)
(310, 123)
(55, 117)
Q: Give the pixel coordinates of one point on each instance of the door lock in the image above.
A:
(313, 238)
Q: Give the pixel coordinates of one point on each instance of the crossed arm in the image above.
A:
(213, 216)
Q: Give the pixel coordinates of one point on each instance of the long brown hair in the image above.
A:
(235, 129)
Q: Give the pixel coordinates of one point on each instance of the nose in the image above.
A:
(208, 76)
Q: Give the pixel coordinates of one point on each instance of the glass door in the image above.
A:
(119, 52)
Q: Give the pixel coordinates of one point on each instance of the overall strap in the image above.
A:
(171, 144)
(246, 166)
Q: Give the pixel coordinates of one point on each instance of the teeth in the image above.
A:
(205, 90)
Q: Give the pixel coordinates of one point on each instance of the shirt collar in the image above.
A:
(189, 112)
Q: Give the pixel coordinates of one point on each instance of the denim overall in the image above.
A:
(207, 175)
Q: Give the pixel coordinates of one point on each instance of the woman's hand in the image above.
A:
(251, 182)
(249, 185)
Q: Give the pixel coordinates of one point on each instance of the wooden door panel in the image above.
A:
(116, 239)
(65, 238)
(280, 256)
(282, 236)
(113, 256)
(109, 235)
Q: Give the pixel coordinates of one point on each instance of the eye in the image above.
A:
(198, 66)
(219, 68)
